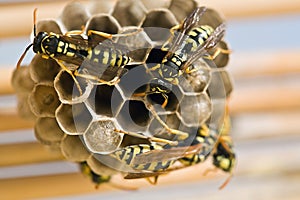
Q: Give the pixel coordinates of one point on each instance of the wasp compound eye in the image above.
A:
(38, 42)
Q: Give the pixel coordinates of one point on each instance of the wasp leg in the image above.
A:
(165, 101)
(95, 78)
(172, 32)
(143, 94)
(153, 68)
(175, 28)
(217, 52)
(182, 135)
(71, 74)
(153, 139)
(188, 70)
(74, 32)
(154, 181)
(110, 36)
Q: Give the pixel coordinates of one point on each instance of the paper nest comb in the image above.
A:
(82, 126)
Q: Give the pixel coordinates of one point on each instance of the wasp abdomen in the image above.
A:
(197, 37)
(128, 154)
(108, 56)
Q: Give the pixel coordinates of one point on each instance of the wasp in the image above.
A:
(188, 42)
(96, 178)
(100, 179)
(219, 146)
(75, 50)
(96, 58)
(146, 170)
(208, 142)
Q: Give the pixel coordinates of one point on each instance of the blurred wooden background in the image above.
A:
(265, 108)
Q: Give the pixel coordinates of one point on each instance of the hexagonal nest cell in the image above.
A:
(102, 118)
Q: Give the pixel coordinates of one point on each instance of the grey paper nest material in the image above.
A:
(83, 125)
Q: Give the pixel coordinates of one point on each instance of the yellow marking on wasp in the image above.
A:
(113, 59)
(201, 139)
(152, 166)
(193, 33)
(208, 29)
(96, 60)
(174, 59)
(120, 61)
(73, 46)
(225, 163)
(59, 50)
(201, 40)
(204, 131)
(70, 54)
(45, 56)
(89, 56)
(97, 52)
(105, 57)
(61, 44)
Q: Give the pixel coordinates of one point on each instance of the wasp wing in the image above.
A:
(80, 43)
(93, 65)
(189, 22)
(210, 43)
(167, 154)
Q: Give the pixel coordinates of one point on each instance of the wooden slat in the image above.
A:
(265, 125)
(260, 98)
(10, 120)
(47, 186)
(51, 9)
(253, 96)
(264, 63)
(5, 81)
(11, 14)
(251, 8)
(245, 127)
(254, 164)
(25, 153)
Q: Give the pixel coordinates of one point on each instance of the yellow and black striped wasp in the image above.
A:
(208, 142)
(189, 41)
(92, 58)
(65, 49)
(100, 179)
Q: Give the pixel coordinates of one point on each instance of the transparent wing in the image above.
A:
(167, 154)
(79, 42)
(95, 66)
(189, 22)
(210, 43)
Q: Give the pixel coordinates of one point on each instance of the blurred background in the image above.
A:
(265, 110)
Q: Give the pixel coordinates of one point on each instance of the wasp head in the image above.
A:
(37, 42)
(45, 43)
(223, 159)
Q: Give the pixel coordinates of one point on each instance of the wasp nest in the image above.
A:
(84, 125)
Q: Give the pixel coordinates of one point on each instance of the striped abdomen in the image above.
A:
(197, 37)
(107, 56)
(170, 67)
(128, 153)
(204, 137)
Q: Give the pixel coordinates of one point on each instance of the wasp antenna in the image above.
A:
(23, 55)
(34, 21)
(225, 182)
